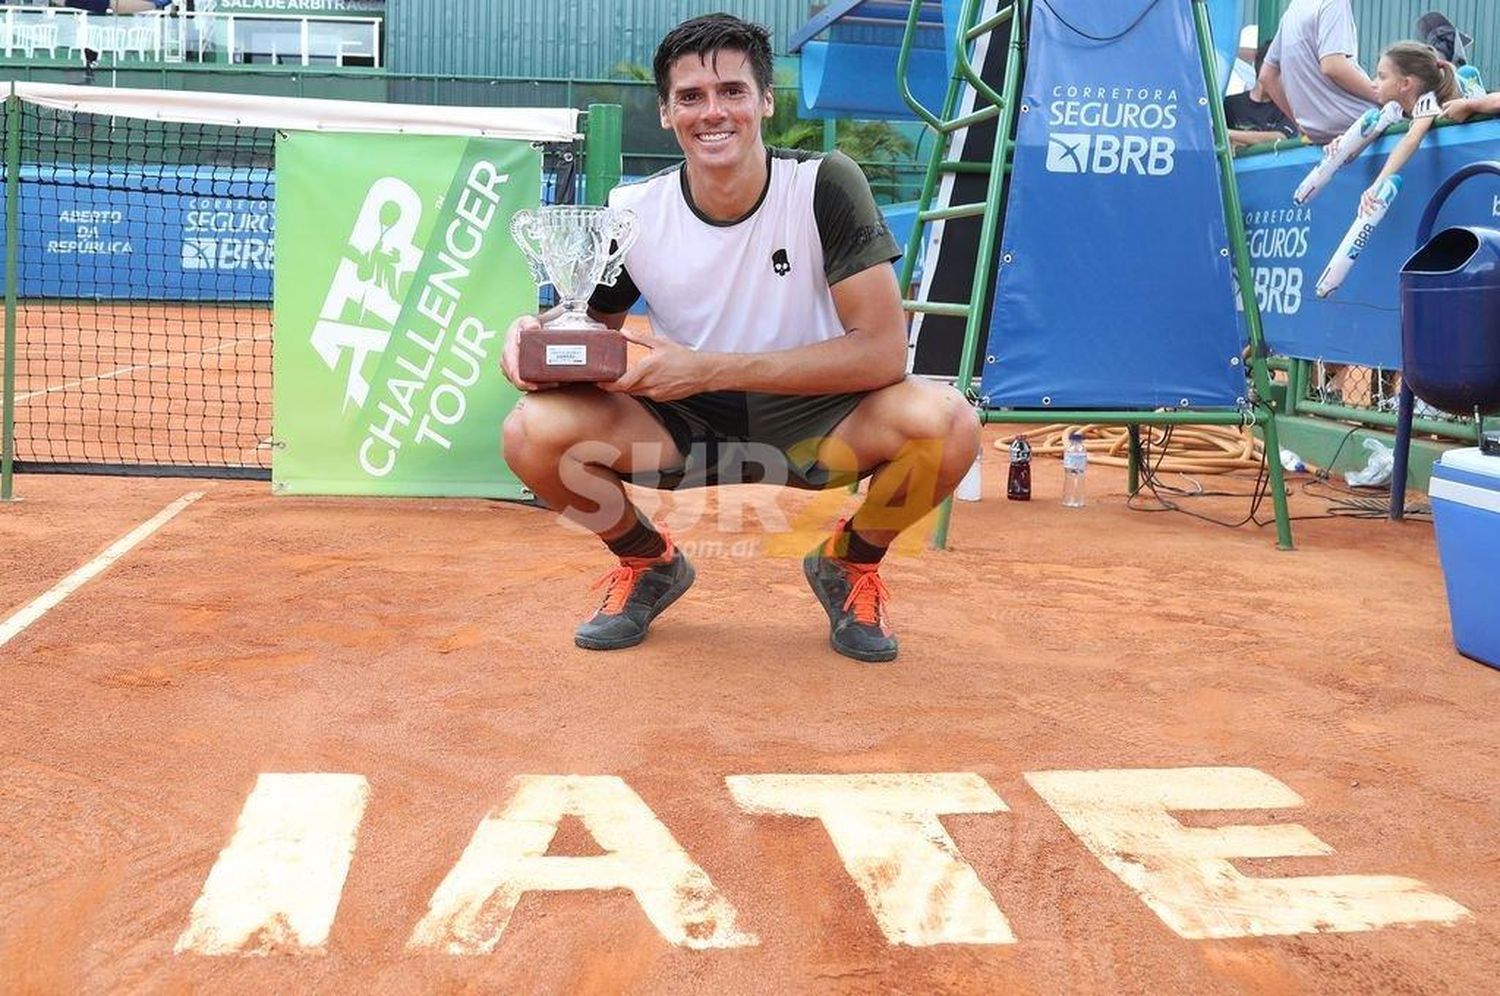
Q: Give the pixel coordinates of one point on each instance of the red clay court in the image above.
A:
(417, 655)
(141, 382)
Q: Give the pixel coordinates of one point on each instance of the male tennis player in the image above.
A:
(777, 326)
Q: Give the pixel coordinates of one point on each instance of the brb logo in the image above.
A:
(363, 301)
(1279, 240)
(224, 233)
(1112, 130)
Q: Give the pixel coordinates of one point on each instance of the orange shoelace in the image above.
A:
(621, 581)
(867, 595)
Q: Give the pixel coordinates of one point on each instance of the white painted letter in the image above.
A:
(1184, 873)
(886, 830)
(277, 885)
(507, 858)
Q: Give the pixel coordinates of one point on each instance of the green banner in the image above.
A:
(395, 279)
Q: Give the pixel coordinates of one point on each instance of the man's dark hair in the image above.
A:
(705, 37)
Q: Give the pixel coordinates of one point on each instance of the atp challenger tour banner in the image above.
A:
(395, 279)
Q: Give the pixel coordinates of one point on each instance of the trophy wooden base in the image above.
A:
(570, 356)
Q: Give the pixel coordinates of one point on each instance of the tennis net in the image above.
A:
(141, 260)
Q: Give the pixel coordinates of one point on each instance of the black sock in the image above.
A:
(858, 550)
(641, 541)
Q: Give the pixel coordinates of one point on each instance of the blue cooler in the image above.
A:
(1465, 492)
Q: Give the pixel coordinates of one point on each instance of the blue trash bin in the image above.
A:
(1450, 320)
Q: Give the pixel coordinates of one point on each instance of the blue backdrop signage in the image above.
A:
(1290, 245)
(168, 233)
(1115, 287)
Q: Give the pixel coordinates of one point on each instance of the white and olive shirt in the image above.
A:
(759, 283)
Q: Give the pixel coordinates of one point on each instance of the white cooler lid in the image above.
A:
(1471, 460)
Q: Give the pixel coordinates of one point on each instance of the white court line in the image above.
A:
(13, 626)
(122, 371)
(276, 887)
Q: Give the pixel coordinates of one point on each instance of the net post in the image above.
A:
(601, 152)
(12, 242)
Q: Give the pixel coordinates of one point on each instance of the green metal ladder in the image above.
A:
(1260, 409)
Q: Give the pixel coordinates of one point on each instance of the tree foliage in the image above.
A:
(632, 71)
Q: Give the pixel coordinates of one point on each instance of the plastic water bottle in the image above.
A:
(971, 488)
(1370, 126)
(1075, 463)
(1357, 238)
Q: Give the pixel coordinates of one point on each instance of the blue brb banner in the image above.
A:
(1289, 245)
(1114, 287)
(163, 233)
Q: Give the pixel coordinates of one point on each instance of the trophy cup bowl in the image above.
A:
(574, 248)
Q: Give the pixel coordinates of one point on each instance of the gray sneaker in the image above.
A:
(854, 598)
(635, 593)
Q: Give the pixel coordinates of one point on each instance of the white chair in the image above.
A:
(37, 37)
(84, 30)
(140, 39)
(106, 39)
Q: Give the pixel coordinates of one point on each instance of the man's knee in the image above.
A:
(965, 435)
(941, 413)
(545, 424)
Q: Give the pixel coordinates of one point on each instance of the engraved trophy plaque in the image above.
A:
(573, 248)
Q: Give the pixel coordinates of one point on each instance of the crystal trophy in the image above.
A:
(573, 248)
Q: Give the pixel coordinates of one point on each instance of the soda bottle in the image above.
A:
(1075, 462)
(1018, 483)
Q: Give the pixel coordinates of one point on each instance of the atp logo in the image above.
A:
(1068, 153)
(363, 302)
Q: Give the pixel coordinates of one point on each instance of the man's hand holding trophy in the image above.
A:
(573, 248)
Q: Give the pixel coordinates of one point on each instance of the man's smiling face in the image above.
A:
(714, 107)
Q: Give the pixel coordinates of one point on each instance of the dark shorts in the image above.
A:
(736, 437)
